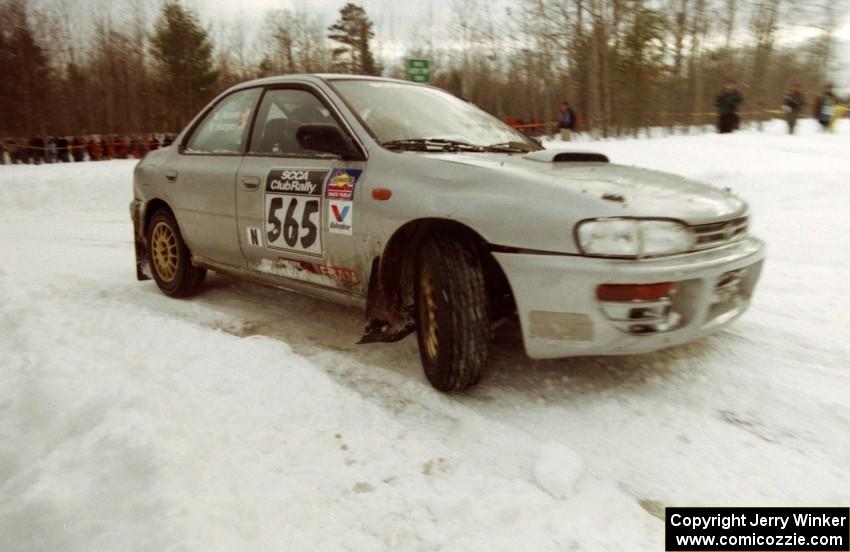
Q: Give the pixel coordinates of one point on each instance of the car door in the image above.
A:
(296, 208)
(201, 179)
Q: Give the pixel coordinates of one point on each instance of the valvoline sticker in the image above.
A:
(341, 183)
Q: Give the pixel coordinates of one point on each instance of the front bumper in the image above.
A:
(561, 316)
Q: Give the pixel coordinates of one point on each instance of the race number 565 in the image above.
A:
(293, 223)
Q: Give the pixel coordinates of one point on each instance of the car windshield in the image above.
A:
(420, 117)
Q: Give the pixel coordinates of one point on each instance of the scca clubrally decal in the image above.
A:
(293, 206)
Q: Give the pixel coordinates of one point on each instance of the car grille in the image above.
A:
(719, 233)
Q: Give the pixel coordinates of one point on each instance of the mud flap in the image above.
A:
(381, 331)
(387, 320)
(143, 269)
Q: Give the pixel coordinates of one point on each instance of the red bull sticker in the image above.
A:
(341, 183)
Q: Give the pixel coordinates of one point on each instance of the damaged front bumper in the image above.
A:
(561, 314)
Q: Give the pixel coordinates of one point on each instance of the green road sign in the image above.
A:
(419, 70)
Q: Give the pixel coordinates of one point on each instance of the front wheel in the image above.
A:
(170, 258)
(452, 324)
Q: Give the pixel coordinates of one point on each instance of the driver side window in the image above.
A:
(281, 113)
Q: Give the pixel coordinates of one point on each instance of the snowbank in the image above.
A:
(247, 419)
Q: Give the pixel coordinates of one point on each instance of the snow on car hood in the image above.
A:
(617, 189)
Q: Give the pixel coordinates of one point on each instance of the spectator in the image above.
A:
(37, 150)
(791, 105)
(93, 149)
(153, 143)
(566, 121)
(3, 152)
(12, 148)
(167, 141)
(105, 149)
(78, 149)
(824, 106)
(17, 153)
(50, 150)
(119, 148)
(727, 103)
(22, 152)
(62, 148)
(137, 150)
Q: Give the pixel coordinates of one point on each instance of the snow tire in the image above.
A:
(453, 326)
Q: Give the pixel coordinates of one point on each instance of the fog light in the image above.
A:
(633, 292)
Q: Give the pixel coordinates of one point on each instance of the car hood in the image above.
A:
(604, 189)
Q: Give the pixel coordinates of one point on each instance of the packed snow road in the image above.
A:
(246, 418)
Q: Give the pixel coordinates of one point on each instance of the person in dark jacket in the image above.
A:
(153, 143)
(62, 149)
(167, 141)
(824, 106)
(792, 104)
(18, 152)
(727, 103)
(78, 149)
(38, 152)
(566, 121)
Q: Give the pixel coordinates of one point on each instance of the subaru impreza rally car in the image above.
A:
(435, 217)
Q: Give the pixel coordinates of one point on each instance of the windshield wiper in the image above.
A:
(510, 147)
(426, 144)
(445, 144)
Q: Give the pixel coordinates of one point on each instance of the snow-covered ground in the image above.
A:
(247, 419)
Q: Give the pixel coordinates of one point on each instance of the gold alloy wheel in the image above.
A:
(164, 251)
(428, 313)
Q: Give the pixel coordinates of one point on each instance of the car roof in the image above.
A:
(301, 77)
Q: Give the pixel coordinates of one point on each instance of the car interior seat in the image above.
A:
(276, 137)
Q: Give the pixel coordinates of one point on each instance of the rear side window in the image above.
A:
(225, 128)
(281, 112)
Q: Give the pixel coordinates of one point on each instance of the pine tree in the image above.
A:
(353, 31)
(183, 51)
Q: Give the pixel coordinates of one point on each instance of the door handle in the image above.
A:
(250, 183)
(171, 176)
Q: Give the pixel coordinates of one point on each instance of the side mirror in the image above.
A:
(325, 139)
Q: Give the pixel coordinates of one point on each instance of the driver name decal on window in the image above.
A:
(293, 210)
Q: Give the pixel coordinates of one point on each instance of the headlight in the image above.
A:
(622, 237)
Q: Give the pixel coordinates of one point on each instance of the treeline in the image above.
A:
(623, 64)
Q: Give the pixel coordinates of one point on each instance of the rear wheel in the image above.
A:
(170, 258)
(452, 324)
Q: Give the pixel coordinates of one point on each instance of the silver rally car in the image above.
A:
(435, 217)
